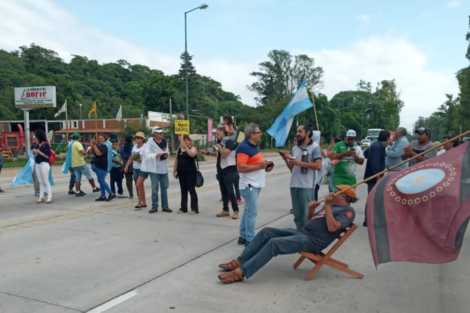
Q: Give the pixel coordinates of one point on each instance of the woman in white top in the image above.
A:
(136, 160)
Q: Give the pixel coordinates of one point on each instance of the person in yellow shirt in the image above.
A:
(79, 165)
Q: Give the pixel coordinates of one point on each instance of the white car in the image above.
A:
(365, 143)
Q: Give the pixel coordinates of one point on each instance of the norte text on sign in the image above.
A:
(182, 127)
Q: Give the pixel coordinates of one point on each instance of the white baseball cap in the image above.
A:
(351, 134)
(157, 129)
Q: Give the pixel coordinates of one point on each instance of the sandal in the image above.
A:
(49, 201)
(231, 277)
(232, 265)
(193, 212)
(41, 200)
(181, 211)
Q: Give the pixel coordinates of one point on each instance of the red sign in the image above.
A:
(210, 136)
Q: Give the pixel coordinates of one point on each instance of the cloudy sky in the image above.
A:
(420, 44)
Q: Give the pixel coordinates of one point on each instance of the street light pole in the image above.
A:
(81, 111)
(202, 7)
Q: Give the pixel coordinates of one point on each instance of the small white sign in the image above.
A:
(35, 97)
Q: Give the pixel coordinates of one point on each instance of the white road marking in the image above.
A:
(114, 302)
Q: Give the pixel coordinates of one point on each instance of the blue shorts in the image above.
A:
(143, 174)
(84, 169)
(136, 173)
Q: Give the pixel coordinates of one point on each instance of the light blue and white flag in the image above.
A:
(26, 174)
(281, 127)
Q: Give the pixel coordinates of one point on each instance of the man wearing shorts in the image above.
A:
(79, 166)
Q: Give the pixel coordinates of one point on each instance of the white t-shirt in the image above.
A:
(136, 152)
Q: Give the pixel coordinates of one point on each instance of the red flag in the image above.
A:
(420, 214)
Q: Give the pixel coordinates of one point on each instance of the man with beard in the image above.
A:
(419, 146)
(305, 162)
(349, 155)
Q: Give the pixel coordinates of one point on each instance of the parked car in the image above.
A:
(365, 143)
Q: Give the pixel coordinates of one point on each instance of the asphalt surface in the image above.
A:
(77, 255)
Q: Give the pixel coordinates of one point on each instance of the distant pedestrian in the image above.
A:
(42, 167)
(101, 165)
(185, 171)
(1, 166)
(419, 146)
(375, 156)
(72, 173)
(395, 153)
(116, 173)
(135, 163)
(79, 166)
(155, 164)
(34, 145)
(126, 155)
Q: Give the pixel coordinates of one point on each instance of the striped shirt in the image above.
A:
(249, 154)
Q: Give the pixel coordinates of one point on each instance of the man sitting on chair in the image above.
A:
(321, 229)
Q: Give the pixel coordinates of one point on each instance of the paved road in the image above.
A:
(77, 255)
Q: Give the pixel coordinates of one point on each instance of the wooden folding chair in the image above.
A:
(325, 259)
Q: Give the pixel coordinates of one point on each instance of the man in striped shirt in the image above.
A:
(252, 167)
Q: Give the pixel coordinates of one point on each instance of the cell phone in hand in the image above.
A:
(281, 153)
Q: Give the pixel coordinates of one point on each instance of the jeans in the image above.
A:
(101, 175)
(116, 179)
(84, 169)
(136, 173)
(72, 178)
(271, 242)
(300, 199)
(187, 181)
(42, 173)
(236, 182)
(247, 223)
(226, 179)
(159, 179)
(330, 181)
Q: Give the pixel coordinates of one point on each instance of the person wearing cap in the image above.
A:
(349, 154)
(318, 232)
(448, 145)
(396, 150)
(155, 164)
(418, 146)
(79, 166)
(134, 163)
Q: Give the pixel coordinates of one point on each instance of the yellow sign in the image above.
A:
(182, 127)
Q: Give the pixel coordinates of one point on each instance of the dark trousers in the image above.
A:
(188, 184)
(129, 182)
(226, 179)
(317, 188)
(116, 178)
(236, 182)
(370, 186)
(72, 179)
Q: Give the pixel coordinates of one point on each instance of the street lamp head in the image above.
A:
(203, 6)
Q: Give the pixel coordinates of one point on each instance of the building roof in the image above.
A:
(90, 131)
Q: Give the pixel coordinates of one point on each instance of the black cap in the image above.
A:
(423, 130)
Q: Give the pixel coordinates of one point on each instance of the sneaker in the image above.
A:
(96, 189)
(80, 194)
(235, 215)
(223, 213)
(71, 192)
(111, 197)
(41, 200)
(49, 201)
(137, 208)
(241, 241)
(167, 210)
(120, 195)
(153, 210)
(101, 199)
(240, 201)
(143, 206)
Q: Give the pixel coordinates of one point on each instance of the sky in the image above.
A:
(420, 44)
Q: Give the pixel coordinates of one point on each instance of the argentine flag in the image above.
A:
(281, 127)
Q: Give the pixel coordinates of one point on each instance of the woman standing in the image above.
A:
(126, 155)
(102, 165)
(42, 153)
(185, 169)
(134, 163)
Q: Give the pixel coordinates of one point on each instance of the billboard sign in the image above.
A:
(210, 136)
(35, 97)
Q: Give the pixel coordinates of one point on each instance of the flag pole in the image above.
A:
(66, 123)
(313, 100)
(96, 124)
(399, 164)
